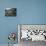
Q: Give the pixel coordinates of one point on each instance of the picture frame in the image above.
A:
(10, 12)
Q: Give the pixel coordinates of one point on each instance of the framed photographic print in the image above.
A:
(10, 12)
